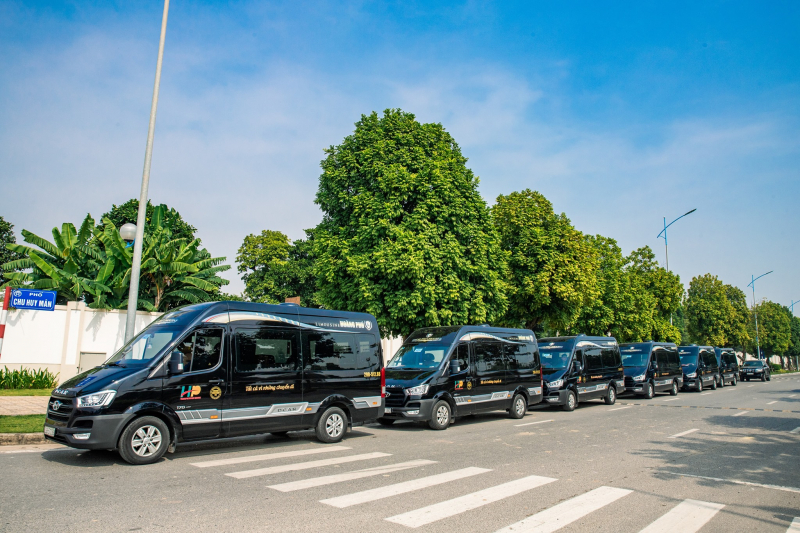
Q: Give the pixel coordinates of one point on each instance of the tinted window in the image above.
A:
(675, 359)
(461, 355)
(611, 358)
(519, 356)
(488, 356)
(368, 355)
(593, 357)
(337, 351)
(662, 359)
(201, 349)
(260, 349)
(709, 358)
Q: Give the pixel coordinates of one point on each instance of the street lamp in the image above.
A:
(128, 233)
(136, 265)
(666, 248)
(755, 309)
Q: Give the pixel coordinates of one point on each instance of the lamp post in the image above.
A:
(133, 293)
(128, 233)
(666, 247)
(755, 309)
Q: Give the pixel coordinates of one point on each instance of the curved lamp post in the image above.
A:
(755, 309)
(666, 248)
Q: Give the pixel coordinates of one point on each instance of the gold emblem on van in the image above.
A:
(215, 393)
(469, 385)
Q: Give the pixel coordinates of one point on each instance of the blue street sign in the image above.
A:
(29, 299)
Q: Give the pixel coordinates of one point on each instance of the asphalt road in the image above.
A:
(724, 460)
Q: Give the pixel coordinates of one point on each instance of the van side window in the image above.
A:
(610, 356)
(367, 350)
(260, 349)
(519, 356)
(488, 356)
(709, 358)
(462, 356)
(675, 359)
(201, 349)
(593, 357)
(662, 359)
(334, 351)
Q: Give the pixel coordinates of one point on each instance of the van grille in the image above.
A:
(59, 411)
(395, 397)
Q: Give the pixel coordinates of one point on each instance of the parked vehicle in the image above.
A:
(580, 368)
(728, 366)
(442, 373)
(758, 369)
(651, 367)
(225, 369)
(700, 369)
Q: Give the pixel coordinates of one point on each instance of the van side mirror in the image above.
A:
(176, 363)
(654, 365)
(577, 366)
(454, 367)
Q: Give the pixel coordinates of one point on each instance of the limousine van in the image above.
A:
(700, 368)
(225, 369)
(580, 368)
(651, 367)
(442, 373)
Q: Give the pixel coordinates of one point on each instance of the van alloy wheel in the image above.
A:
(441, 416)
(611, 396)
(332, 425)
(519, 406)
(674, 390)
(650, 391)
(146, 441)
(699, 384)
(734, 380)
(571, 403)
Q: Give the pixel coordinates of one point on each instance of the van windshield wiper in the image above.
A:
(116, 363)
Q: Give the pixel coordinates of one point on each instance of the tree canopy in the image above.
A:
(551, 264)
(129, 212)
(774, 329)
(6, 237)
(405, 234)
(708, 310)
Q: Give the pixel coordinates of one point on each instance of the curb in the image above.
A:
(10, 439)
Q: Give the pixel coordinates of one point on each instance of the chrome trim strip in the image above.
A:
(367, 402)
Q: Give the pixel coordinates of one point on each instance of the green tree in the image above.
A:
(275, 268)
(6, 237)
(708, 311)
(794, 343)
(129, 211)
(774, 329)
(665, 289)
(736, 333)
(552, 265)
(405, 234)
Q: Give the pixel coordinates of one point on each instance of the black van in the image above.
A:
(728, 366)
(700, 367)
(442, 373)
(224, 369)
(651, 367)
(581, 368)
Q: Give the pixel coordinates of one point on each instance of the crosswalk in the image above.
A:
(687, 516)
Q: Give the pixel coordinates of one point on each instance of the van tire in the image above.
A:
(714, 384)
(386, 421)
(611, 395)
(651, 391)
(734, 380)
(674, 390)
(519, 406)
(441, 416)
(571, 403)
(699, 384)
(133, 443)
(331, 426)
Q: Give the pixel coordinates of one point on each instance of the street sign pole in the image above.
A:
(4, 316)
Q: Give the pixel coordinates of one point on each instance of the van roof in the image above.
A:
(652, 343)
(570, 337)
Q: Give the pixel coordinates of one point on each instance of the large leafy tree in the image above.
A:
(666, 291)
(794, 343)
(774, 329)
(736, 333)
(405, 234)
(6, 237)
(552, 265)
(129, 211)
(275, 268)
(708, 310)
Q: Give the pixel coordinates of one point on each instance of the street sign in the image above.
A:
(30, 299)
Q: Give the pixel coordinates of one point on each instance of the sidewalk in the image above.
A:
(23, 405)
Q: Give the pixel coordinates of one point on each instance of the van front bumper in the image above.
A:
(558, 397)
(691, 383)
(418, 410)
(88, 432)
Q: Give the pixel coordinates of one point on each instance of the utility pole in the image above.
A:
(666, 247)
(133, 293)
(755, 309)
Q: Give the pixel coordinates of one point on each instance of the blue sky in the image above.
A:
(620, 115)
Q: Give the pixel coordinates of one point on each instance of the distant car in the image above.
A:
(728, 366)
(757, 369)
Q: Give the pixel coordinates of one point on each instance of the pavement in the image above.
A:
(23, 405)
(717, 461)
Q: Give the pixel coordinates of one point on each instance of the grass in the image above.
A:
(25, 392)
(21, 424)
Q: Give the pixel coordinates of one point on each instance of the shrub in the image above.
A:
(27, 378)
(775, 367)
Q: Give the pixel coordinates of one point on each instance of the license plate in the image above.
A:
(50, 432)
(387, 410)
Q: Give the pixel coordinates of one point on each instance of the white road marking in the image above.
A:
(704, 393)
(618, 408)
(682, 434)
(687, 517)
(740, 413)
(795, 430)
(348, 476)
(791, 395)
(401, 488)
(794, 527)
(531, 423)
(770, 403)
(439, 511)
(750, 386)
(305, 466)
(567, 512)
(737, 482)
(269, 456)
(672, 399)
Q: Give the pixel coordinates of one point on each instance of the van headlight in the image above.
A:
(692, 375)
(418, 390)
(556, 384)
(639, 378)
(97, 399)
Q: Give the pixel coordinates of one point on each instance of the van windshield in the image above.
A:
(419, 355)
(555, 355)
(635, 355)
(147, 345)
(689, 358)
(753, 363)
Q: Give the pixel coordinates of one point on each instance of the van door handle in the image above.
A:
(216, 381)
